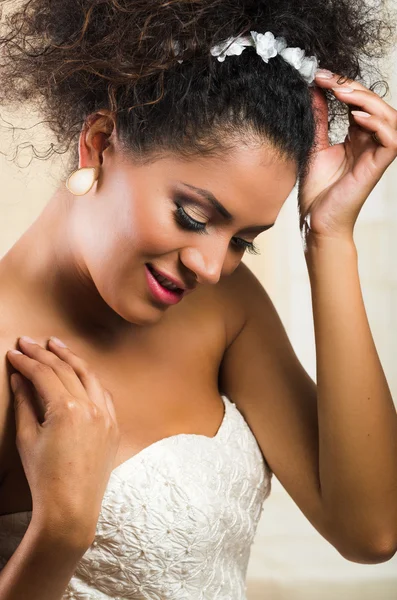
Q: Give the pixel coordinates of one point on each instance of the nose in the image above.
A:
(208, 264)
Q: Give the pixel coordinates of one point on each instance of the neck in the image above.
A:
(43, 277)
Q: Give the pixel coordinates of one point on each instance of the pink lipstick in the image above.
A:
(161, 293)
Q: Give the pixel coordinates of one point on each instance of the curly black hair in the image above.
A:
(70, 58)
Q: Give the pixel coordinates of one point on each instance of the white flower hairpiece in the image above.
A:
(267, 46)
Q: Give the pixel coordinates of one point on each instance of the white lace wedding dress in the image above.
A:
(177, 520)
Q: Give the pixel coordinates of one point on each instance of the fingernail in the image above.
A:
(360, 113)
(15, 352)
(346, 89)
(58, 342)
(324, 74)
(28, 339)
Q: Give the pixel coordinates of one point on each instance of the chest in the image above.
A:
(163, 382)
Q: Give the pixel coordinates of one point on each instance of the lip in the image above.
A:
(175, 281)
(160, 293)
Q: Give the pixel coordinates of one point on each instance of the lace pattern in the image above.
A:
(177, 520)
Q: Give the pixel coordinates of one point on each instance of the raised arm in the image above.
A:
(356, 414)
(334, 446)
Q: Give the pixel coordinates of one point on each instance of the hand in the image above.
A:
(342, 176)
(68, 457)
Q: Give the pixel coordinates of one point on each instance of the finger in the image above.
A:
(335, 79)
(368, 102)
(47, 384)
(25, 414)
(355, 132)
(110, 405)
(386, 135)
(364, 98)
(87, 377)
(64, 371)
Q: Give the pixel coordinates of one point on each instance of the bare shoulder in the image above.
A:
(233, 300)
(245, 289)
(242, 294)
(7, 421)
(11, 325)
(261, 374)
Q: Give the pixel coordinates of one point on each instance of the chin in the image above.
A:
(149, 315)
(142, 322)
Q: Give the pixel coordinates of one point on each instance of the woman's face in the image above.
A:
(168, 215)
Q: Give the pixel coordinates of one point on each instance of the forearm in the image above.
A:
(356, 414)
(40, 568)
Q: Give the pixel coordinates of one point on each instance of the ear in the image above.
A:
(95, 138)
(320, 109)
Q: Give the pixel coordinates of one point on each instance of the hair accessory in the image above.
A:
(81, 181)
(267, 46)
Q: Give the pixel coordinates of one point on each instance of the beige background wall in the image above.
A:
(289, 560)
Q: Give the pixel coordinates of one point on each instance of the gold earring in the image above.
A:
(81, 181)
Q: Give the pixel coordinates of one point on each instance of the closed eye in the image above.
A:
(185, 221)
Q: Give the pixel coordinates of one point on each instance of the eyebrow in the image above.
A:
(209, 196)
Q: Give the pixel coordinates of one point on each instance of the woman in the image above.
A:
(137, 458)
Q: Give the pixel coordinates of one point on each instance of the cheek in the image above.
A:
(148, 232)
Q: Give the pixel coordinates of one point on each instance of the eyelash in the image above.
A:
(187, 222)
